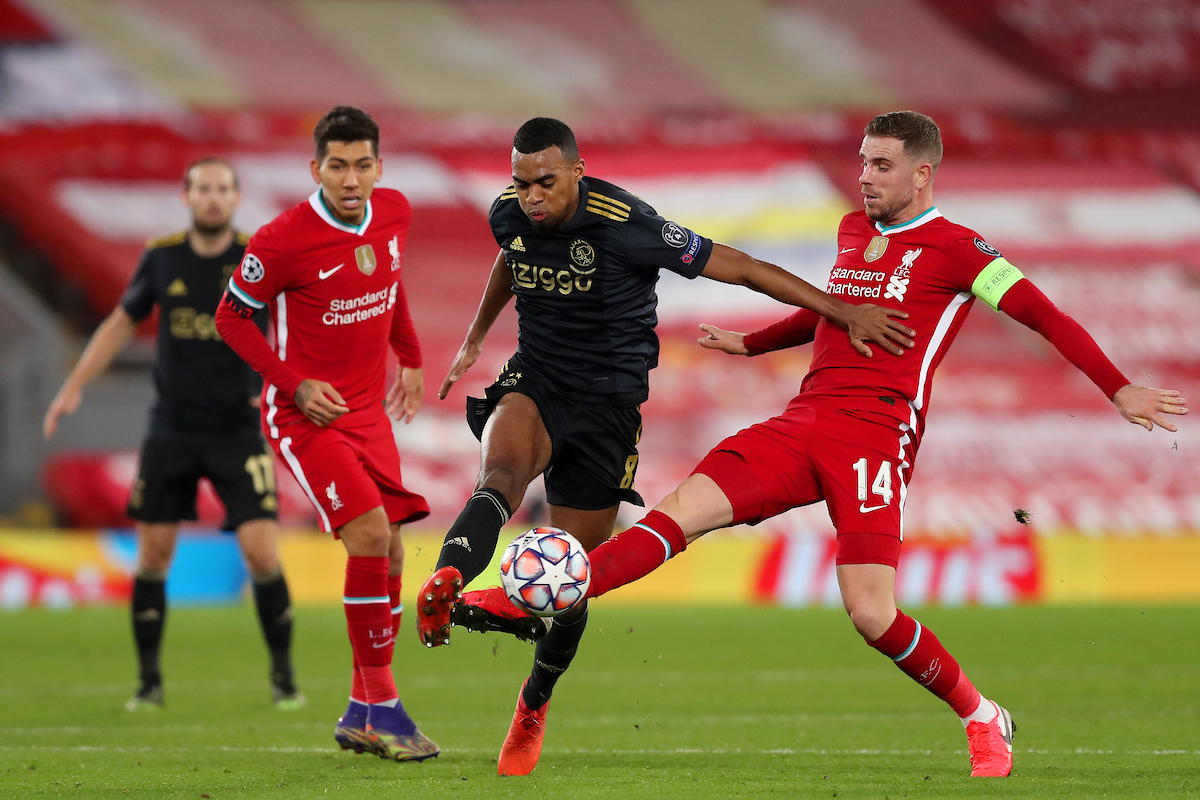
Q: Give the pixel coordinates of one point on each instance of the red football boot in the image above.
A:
(435, 600)
(523, 745)
(990, 744)
(491, 610)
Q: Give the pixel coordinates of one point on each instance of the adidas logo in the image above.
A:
(461, 541)
(177, 288)
(516, 245)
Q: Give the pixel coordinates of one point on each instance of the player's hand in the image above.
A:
(468, 354)
(319, 401)
(65, 402)
(872, 323)
(725, 341)
(1144, 406)
(404, 398)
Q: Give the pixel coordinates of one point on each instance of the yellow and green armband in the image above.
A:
(995, 279)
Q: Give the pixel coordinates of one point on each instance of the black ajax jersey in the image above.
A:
(202, 386)
(585, 291)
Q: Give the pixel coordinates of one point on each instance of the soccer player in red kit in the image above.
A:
(329, 271)
(850, 436)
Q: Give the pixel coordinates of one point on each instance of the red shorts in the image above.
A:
(348, 472)
(811, 452)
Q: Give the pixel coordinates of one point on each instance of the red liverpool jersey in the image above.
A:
(336, 302)
(928, 267)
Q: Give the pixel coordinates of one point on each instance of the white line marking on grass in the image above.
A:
(678, 751)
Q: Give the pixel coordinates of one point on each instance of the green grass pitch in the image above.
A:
(681, 702)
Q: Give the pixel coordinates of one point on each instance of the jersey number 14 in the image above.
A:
(881, 486)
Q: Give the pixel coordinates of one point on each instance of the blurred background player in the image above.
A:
(203, 424)
(850, 437)
(329, 270)
(582, 257)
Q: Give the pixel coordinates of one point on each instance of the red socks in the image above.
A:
(635, 553)
(369, 623)
(919, 654)
(393, 584)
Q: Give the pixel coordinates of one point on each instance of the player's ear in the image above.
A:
(315, 167)
(577, 170)
(923, 176)
(378, 167)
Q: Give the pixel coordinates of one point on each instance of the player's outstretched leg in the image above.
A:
(919, 654)
(490, 610)
(466, 552)
(148, 610)
(274, 605)
(635, 553)
(551, 658)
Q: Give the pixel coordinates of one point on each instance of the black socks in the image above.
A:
(471, 542)
(149, 614)
(274, 606)
(551, 657)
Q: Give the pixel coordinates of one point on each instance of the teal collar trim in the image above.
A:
(317, 201)
(931, 213)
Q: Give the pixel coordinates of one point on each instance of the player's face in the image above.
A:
(347, 175)
(211, 196)
(890, 180)
(547, 186)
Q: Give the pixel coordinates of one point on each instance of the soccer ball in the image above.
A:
(545, 571)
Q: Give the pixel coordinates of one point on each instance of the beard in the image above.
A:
(883, 213)
(210, 228)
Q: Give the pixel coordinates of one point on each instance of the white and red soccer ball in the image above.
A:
(545, 571)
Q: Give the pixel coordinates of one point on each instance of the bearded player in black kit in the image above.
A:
(204, 423)
(582, 258)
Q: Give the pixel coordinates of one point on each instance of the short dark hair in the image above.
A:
(204, 162)
(920, 134)
(541, 132)
(345, 124)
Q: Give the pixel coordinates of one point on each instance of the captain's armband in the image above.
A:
(237, 304)
(994, 281)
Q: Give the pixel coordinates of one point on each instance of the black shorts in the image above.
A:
(242, 470)
(593, 456)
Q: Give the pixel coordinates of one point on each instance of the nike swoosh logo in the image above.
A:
(378, 645)
(325, 273)
(862, 508)
(845, 250)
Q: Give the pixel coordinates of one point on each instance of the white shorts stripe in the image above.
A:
(398, 609)
(285, 447)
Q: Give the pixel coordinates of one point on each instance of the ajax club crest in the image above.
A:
(364, 255)
(582, 254)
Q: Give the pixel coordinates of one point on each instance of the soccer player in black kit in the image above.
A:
(582, 257)
(204, 423)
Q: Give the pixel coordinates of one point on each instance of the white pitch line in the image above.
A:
(680, 751)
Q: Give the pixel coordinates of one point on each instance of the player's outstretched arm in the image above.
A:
(116, 330)
(1145, 406)
(404, 398)
(726, 341)
(495, 298)
(864, 323)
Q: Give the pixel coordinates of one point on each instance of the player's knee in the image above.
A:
(871, 619)
(510, 481)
